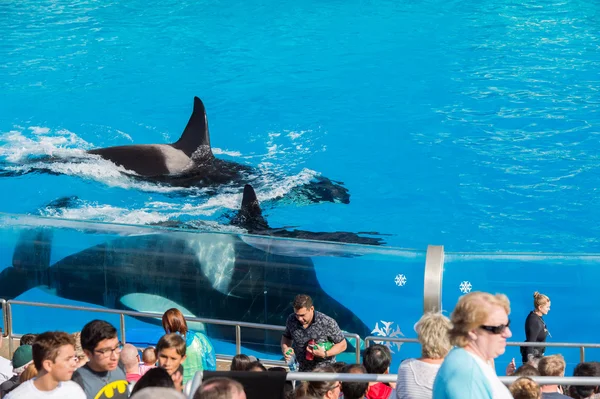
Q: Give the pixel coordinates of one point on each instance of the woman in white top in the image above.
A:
(416, 376)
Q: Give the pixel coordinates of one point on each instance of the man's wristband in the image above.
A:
(325, 353)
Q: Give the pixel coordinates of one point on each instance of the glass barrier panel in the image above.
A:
(567, 279)
(368, 290)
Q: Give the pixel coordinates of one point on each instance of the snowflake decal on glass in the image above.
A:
(400, 280)
(386, 330)
(465, 287)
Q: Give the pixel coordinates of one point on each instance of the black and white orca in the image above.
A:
(190, 162)
(213, 275)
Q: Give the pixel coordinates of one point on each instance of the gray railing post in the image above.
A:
(238, 339)
(357, 347)
(432, 290)
(582, 354)
(123, 339)
(8, 310)
(4, 318)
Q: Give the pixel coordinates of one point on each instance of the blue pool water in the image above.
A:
(468, 124)
(471, 124)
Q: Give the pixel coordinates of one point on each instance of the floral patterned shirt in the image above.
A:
(323, 328)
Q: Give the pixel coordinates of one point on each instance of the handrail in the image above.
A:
(122, 313)
(349, 377)
(586, 381)
(7, 316)
(580, 345)
(264, 362)
(390, 339)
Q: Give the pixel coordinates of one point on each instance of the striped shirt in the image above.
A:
(415, 379)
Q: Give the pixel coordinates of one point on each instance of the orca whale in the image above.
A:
(211, 275)
(191, 162)
(150, 160)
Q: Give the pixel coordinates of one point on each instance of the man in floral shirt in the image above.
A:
(307, 324)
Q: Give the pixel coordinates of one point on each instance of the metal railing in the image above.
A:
(348, 377)
(8, 323)
(8, 319)
(265, 362)
(580, 346)
(6, 307)
(195, 383)
(375, 339)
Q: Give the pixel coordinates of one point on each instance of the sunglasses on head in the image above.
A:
(496, 329)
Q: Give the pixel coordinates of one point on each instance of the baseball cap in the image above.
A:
(22, 356)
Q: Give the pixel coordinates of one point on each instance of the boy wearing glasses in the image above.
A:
(101, 377)
(171, 355)
(54, 357)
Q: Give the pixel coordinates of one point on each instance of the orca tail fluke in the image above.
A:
(13, 283)
(196, 133)
(250, 215)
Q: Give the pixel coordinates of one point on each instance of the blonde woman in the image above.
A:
(535, 327)
(82, 359)
(416, 376)
(480, 328)
(29, 373)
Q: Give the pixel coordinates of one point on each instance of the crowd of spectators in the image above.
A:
(93, 364)
(457, 361)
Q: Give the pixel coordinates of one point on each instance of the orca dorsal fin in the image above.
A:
(196, 132)
(250, 215)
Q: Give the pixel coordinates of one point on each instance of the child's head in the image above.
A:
(149, 356)
(101, 345)
(54, 353)
(256, 366)
(240, 362)
(156, 377)
(377, 359)
(174, 322)
(171, 352)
